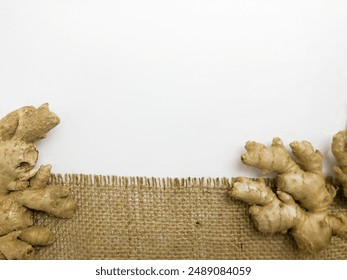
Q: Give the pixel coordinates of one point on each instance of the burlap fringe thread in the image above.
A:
(152, 182)
(165, 218)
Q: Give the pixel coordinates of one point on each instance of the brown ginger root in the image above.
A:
(23, 188)
(339, 149)
(302, 197)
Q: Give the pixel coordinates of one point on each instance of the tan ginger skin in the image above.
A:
(302, 197)
(339, 149)
(23, 188)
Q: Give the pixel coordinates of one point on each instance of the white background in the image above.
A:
(175, 88)
(270, 270)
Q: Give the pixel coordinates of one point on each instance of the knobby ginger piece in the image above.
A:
(339, 149)
(23, 188)
(301, 199)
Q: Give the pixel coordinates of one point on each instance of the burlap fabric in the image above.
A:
(140, 218)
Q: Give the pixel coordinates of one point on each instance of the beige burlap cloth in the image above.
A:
(150, 218)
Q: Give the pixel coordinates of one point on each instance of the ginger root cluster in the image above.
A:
(23, 188)
(299, 203)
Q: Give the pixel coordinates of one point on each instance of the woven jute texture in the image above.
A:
(151, 218)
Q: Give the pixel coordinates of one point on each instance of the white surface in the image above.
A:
(260, 269)
(174, 88)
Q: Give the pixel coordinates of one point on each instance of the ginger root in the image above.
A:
(339, 149)
(301, 198)
(23, 188)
